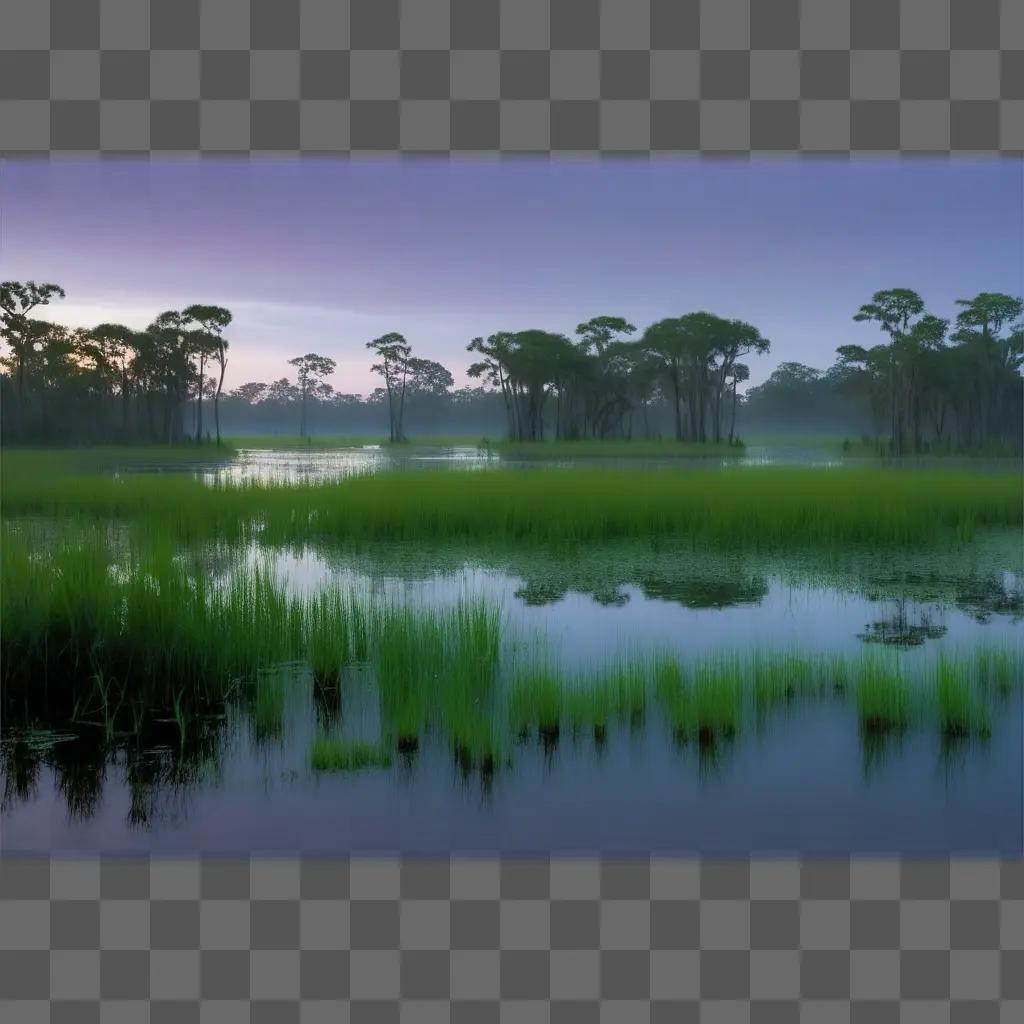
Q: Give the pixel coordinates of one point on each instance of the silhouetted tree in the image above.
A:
(394, 353)
(311, 369)
(212, 320)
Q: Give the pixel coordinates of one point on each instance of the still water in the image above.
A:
(322, 465)
(805, 779)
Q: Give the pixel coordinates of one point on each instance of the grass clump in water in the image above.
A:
(882, 694)
(436, 669)
(998, 669)
(618, 695)
(536, 700)
(703, 703)
(266, 709)
(331, 754)
(961, 714)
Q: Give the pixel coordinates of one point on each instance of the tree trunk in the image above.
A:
(732, 422)
(678, 410)
(401, 413)
(216, 397)
(124, 402)
(391, 404)
(199, 403)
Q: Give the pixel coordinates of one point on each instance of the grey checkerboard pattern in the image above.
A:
(511, 75)
(382, 939)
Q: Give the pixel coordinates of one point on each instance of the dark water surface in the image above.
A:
(807, 786)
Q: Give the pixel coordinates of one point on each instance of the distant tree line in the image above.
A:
(108, 382)
(925, 387)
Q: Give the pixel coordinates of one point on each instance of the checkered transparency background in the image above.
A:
(384, 940)
(511, 75)
(379, 939)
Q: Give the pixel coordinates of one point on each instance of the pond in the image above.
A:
(805, 772)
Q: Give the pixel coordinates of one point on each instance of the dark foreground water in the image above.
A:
(805, 778)
(810, 786)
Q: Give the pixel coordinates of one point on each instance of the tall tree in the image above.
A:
(211, 321)
(17, 300)
(116, 345)
(175, 346)
(683, 347)
(730, 339)
(311, 369)
(604, 384)
(394, 353)
(493, 368)
(893, 310)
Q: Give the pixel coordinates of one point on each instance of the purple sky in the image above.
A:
(324, 255)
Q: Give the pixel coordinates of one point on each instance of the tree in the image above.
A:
(682, 350)
(17, 300)
(251, 393)
(730, 339)
(212, 320)
(739, 373)
(606, 392)
(995, 356)
(282, 391)
(311, 369)
(599, 332)
(171, 352)
(428, 378)
(116, 345)
(534, 361)
(494, 369)
(394, 352)
(893, 311)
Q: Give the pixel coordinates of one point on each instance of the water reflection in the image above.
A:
(97, 785)
(706, 593)
(593, 605)
(290, 466)
(905, 627)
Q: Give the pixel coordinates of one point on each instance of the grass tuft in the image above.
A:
(330, 754)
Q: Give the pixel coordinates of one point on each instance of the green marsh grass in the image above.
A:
(883, 694)
(331, 754)
(742, 508)
(997, 669)
(704, 702)
(961, 714)
(267, 707)
(618, 694)
(110, 638)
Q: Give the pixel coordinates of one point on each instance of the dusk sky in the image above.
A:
(323, 255)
